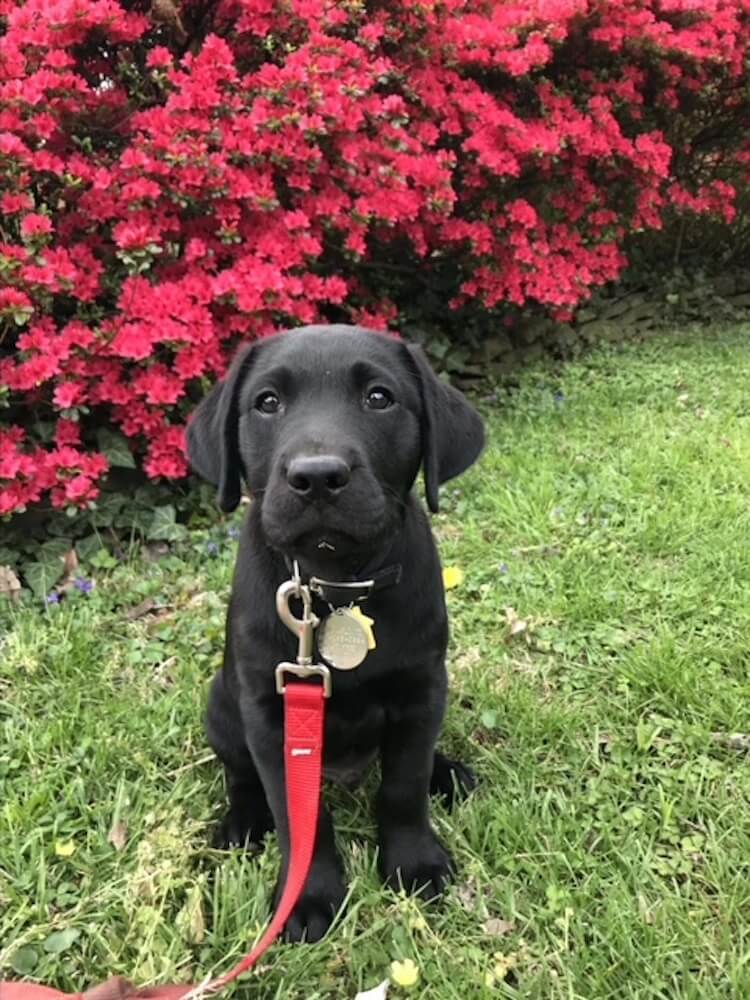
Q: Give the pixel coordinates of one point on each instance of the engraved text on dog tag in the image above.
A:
(342, 639)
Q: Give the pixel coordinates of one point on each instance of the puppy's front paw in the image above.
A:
(318, 905)
(451, 780)
(416, 862)
(242, 827)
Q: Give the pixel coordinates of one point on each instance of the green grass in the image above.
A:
(611, 832)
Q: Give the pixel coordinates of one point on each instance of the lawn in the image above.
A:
(599, 664)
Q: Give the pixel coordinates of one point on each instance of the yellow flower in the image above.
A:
(504, 964)
(64, 848)
(453, 576)
(404, 973)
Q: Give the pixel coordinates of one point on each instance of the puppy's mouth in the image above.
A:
(319, 535)
(328, 543)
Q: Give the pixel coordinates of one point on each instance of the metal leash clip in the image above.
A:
(304, 629)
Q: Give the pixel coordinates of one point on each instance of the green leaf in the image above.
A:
(44, 430)
(55, 548)
(164, 526)
(115, 448)
(24, 961)
(489, 718)
(190, 921)
(41, 576)
(634, 816)
(88, 547)
(136, 520)
(148, 496)
(102, 559)
(108, 506)
(400, 939)
(60, 941)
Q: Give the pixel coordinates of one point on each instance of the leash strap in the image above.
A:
(304, 708)
(304, 711)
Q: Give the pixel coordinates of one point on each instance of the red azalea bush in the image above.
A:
(176, 178)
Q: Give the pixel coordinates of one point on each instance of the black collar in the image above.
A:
(345, 592)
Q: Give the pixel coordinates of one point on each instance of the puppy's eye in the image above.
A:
(378, 398)
(268, 402)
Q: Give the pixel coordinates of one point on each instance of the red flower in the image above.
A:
(159, 58)
(136, 234)
(159, 386)
(12, 202)
(67, 395)
(35, 225)
(134, 341)
(67, 432)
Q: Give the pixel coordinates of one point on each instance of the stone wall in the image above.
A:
(614, 316)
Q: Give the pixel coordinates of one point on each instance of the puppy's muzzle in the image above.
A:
(318, 477)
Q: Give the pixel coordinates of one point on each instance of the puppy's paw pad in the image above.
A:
(451, 780)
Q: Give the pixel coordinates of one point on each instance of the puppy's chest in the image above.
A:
(353, 733)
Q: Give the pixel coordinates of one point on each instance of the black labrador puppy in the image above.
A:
(328, 426)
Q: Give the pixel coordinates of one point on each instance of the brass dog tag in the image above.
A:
(343, 639)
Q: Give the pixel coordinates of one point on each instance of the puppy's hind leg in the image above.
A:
(248, 818)
(451, 780)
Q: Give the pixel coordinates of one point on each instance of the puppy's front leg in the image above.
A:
(411, 855)
(324, 890)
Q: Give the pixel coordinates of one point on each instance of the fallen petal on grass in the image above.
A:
(118, 835)
(495, 927)
(379, 992)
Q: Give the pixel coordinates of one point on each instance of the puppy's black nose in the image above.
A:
(318, 477)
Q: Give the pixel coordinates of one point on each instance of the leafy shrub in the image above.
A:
(176, 179)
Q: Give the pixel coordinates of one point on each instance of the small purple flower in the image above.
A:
(85, 586)
(233, 533)
(503, 569)
(53, 597)
(559, 398)
(212, 548)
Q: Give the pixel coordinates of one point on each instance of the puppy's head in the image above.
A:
(328, 426)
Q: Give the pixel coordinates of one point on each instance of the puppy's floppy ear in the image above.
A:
(213, 433)
(452, 430)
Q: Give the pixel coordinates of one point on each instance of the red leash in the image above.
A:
(304, 711)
